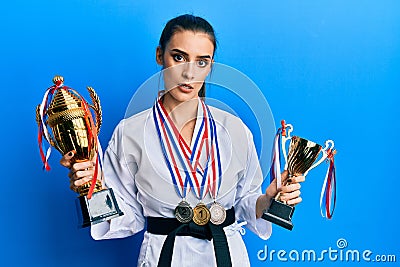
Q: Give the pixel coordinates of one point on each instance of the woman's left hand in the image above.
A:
(289, 193)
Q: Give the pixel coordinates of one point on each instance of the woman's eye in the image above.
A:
(202, 63)
(179, 58)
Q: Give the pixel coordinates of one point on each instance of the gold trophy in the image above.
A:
(66, 122)
(301, 158)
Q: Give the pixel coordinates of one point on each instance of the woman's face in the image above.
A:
(186, 62)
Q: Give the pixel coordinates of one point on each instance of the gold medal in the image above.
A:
(201, 215)
(218, 213)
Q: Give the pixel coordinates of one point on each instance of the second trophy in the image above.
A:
(302, 156)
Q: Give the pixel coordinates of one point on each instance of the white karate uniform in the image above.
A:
(135, 168)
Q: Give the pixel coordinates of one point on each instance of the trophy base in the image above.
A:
(101, 207)
(280, 214)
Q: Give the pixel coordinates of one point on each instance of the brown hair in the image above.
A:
(189, 23)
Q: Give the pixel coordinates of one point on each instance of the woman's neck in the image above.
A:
(183, 114)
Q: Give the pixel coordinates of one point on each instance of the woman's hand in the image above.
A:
(80, 172)
(289, 193)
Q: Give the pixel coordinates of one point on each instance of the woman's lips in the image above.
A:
(187, 88)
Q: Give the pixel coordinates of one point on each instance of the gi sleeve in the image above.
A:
(248, 191)
(119, 174)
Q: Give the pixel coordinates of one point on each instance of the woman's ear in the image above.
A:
(159, 56)
(211, 67)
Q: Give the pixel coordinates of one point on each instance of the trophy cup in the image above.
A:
(66, 122)
(301, 158)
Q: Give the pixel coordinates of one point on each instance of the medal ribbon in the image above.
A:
(173, 137)
(216, 179)
(174, 146)
(164, 134)
(275, 170)
(42, 129)
(328, 192)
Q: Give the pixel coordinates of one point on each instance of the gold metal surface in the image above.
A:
(38, 119)
(83, 190)
(96, 107)
(68, 123)
(302, 154)
(201, 214)
(58, 78)
(66, 118)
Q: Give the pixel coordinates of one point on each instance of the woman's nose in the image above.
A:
(188, 71)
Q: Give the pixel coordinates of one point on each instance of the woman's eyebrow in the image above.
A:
(179, 51)
(207, 56)
(186, 54)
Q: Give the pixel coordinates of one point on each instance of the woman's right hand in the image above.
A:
(79, 172)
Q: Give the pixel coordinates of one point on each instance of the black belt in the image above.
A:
(172, 227)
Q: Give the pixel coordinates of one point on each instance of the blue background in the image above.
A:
(331, 68)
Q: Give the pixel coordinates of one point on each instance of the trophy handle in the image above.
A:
(286, 137)
(96, 107)
(329, 144)
(38, 118)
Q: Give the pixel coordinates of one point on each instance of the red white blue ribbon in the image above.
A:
(168, 147)
(180, 157)
(328, 192)
(275, 170)
(43, 131)
(215, 158)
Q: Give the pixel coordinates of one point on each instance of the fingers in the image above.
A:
(296, 179)
(289, 196)
(82, 166)
(79, 178)
(290, 188)
(74, 184)
(290, 193)
(272, 190)
(66, 160)
(294, 201)
(81, 173)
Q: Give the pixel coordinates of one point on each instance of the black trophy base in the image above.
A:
(280, 214)
(101, 207)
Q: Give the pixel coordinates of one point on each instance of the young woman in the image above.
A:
(171, 164)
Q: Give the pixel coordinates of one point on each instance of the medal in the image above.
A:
(201, 215)
(183, 212)
(218, 213)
